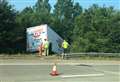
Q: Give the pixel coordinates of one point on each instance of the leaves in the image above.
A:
(97, 26)
(96, 29)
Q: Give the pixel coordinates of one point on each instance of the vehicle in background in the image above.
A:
(37, 34)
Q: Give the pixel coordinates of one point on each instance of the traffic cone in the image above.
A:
(54, 71)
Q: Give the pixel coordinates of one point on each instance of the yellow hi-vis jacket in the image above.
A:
(65, 44)
(46, 44)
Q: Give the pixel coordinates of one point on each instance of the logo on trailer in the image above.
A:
(37, 34)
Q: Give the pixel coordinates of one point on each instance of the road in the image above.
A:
(75, 72)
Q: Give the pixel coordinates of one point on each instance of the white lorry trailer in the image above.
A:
(37, 34)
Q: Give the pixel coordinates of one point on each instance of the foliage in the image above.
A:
(64, 13)
(96, 29)
(7, 26)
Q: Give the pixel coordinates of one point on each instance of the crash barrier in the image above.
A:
(89, 54)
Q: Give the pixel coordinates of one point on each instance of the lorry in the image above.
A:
(37, 34)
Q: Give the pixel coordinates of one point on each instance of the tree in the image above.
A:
(7, 25)
(77, 10)
(64, 13)
(97, 30)
(42, 10)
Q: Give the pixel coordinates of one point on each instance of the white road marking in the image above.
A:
(87, 75)
(110, 72)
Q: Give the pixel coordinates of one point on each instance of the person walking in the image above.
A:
(46, 47)
(65, 47)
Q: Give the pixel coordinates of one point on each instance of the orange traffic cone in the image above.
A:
(54, 71)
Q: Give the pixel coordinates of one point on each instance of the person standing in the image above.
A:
(40, 48)
(46, 47)
(65, 47)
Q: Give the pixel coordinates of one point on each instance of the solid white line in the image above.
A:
(64, 76)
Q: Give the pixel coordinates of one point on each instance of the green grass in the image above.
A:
(35, 56)
(99, 58)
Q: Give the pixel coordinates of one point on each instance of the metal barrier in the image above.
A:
(90, 54)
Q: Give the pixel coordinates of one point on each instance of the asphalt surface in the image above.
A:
(70, 71)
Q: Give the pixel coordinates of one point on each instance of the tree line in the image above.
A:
(96, 29)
